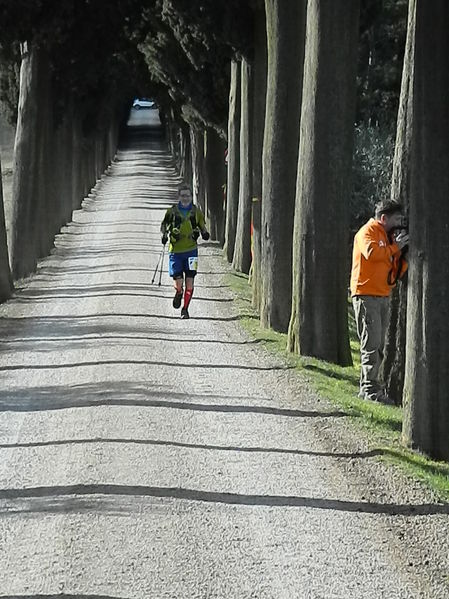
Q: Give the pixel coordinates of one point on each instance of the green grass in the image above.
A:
(339, 385)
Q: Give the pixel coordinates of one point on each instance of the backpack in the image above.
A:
(177, 218)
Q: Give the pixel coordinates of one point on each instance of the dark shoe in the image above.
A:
(185, 313)
(177, 300)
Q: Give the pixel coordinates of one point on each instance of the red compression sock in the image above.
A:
(187, 297)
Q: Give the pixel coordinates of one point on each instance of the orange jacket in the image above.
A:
(375, 261)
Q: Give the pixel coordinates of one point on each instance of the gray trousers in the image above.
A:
(371, 316)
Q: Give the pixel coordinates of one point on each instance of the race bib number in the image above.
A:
(193, 263)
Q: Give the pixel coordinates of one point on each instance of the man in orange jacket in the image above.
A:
(377, 263)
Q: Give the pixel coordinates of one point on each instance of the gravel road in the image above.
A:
(148, 457)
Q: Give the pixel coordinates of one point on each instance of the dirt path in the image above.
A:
(143, 456)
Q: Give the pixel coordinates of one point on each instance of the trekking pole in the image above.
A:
(162, 265)
(157, 266)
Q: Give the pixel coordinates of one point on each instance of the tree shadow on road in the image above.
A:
(118, 289)
(135, 338)
(203, 447)
(39, 321)
(110, 498)
(130, 394)
(190, 365)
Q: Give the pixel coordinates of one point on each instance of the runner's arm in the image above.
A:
(166, 221)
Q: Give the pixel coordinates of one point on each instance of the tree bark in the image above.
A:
(258, 128)
(319, 325)
(215, 178)
(393, 366)
(186, 164)
(50, 163)
(426, 408)
(77, 183)
(232, 186)
(64, 149)
(44, 168)
(285, 40)
(6, 286)
(198, 178)
(172, 135)
(25, 171)
(242, 246)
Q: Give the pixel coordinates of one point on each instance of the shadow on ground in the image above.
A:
(125, 498)
(128, 393)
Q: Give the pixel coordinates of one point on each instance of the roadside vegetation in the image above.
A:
(339, 385)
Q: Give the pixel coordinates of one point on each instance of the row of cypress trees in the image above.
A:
(292, 188)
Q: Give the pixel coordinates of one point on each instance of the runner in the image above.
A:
(183, 223)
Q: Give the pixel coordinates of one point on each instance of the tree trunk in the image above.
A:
(426, 407)
(77, 159)
(258, 128)
(198, 178)
(44, 167)
(64, 182)
(172, 135)
(393, 366)
(242, 246)
(215, 178)
(26, 159)
(285, 40)
(5, 273)
(232, 186)
(50, 163)
(186, 164)
(319, 325)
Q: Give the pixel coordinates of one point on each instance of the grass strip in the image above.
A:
(339, 385)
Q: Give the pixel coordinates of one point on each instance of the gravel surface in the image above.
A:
(148, 457)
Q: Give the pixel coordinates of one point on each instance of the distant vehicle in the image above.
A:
(143, 103)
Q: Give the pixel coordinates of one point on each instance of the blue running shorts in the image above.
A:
(183, 262)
